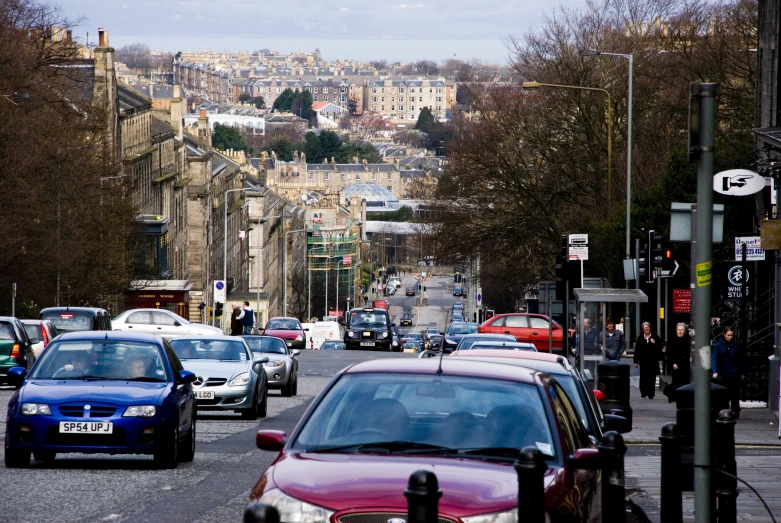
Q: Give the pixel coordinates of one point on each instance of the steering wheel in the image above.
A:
(65, 373)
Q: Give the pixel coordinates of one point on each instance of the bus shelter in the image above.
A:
(591, 307)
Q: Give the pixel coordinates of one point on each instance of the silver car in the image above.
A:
(282, 365)
(162, 322)
(227, 375)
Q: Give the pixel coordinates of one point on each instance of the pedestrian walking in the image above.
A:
(613, 342)
(648, 352)
(590, 340)
(236, 325)
(620, 326)
(248, 320)
(678, 359)
(729, 367)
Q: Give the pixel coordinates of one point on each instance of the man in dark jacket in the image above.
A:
(590, 340)
(248, 320)
(729, 366)
(613, 342)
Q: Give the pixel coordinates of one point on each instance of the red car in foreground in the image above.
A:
(289, 329)
(351, 455)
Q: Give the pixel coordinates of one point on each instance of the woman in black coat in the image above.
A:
(648, 352)
(678, 358)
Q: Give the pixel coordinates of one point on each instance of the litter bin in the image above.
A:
(684, 401)
(613, 381)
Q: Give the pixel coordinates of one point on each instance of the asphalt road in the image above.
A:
(216, 485)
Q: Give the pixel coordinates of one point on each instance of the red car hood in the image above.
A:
(284, 334)
(358, 483)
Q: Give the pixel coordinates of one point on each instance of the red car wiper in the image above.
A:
(386, 446)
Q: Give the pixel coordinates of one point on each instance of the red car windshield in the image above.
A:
(283, 325)
(446, 413)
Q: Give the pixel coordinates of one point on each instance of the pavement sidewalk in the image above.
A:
(758, 459)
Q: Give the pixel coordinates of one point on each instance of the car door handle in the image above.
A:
(159, 328)
(129, 326)
(534, 333)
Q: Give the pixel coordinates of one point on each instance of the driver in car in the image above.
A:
(138, 366)
(77, 367)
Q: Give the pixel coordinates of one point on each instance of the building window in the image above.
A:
(279, 90)
(374, 177)
(374, 99)
(393, 99)
(390, 188)
(382, 108)
(358, 176)
(311, 176)
(393, 107)
(401, 98)
(420, 99)
(412, 108)
(390, 176)
(315, 89)
(411, 89)
(325, 176)
(314, 98)
(325, 90)
(382, 98)
(374, 89)
(401, 108)
(344, 98)
(401, 89)
(342, 177)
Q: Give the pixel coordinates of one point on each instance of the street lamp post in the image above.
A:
(535, 85)
(225, 237)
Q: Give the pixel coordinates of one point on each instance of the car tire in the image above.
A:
(287, 390)
(263, 407)
(252, 412)
(44, 455)
(187, 452)
(16, 459)
(167, 457)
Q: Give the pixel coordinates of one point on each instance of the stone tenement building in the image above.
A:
(403, 99)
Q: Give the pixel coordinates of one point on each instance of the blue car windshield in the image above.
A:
(462, 328)
(461, 415)
(205, 349)
(101, 360)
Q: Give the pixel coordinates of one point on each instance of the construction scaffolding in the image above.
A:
(334, 270)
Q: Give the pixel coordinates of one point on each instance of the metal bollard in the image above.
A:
(672, 493)
(258, 512)
(530, 467)
(422, 495)
(726, 486)
(612, 449)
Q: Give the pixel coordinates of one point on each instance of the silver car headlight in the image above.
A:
(292, 510)
(241, 379)
(274, 364)
(140, 411)
(35, 409)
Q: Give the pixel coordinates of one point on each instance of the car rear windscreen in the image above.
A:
(33, 331)
(69, 321)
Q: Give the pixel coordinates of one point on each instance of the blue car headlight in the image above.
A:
(140, 411)
(35, 409)
(241, 379)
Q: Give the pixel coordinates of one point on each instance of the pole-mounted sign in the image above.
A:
(738, 182)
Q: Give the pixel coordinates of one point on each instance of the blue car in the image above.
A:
(102, 392)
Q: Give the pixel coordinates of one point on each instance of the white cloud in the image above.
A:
(407, 6)
(344, 10)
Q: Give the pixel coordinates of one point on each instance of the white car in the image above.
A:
(162, 322)
(396, 282)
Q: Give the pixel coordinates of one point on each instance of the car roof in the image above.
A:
(503, 343)
(209, 337)
(145, 309)
(34, 322)
(548, 363)
(488, 336)
(283, 318)
(110, 335)
(76, 309)
(452, 367)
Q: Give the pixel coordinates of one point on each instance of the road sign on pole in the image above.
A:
(479, 296)
(220, 291)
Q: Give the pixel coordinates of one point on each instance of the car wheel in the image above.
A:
(252, 412)
(44, 455)
(187, 454)
(16, 459)
(287, 390)
(263, 407)
(167, 457)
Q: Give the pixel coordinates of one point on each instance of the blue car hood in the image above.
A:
(115, 392)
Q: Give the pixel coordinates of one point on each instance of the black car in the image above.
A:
(368, 329)
(406, 317)
(458, 290)
(410, 291)
(454, 333)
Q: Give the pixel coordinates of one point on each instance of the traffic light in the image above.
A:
(642, 265)
(655, 249)
(218, 309)
(489, 313)
(668, 260)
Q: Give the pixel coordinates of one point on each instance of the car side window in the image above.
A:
(498, 322)
(161, 318)
(144, 317)
(516, 321)
(535, 322)
(571, 426)
(173, 358)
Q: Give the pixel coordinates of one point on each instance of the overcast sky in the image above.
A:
(310, 19)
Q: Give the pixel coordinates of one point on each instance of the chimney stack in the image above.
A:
(102, 37)
(69, 37)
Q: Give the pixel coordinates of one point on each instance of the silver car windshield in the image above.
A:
(220, 350)
(101, 360)
(448, 412)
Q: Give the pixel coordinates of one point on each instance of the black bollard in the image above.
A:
(612, 450)
(422, 495)
(530, 467)
(672, 494)
(258, 512)
(726, 486)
